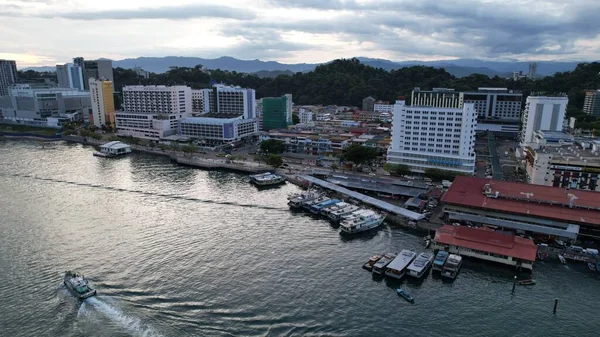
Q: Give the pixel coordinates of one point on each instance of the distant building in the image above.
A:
(542, 113)
(518, 75)
(200, 101)
(437, 138)
(141, 72)
(8, 76)
(97, 69)
(70, 76)
(591, 104)
(103, 104)
(306, 116)
(383, 107)
(532, 74)
(368, 104)
(276, 112)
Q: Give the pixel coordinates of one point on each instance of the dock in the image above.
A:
(207, 163)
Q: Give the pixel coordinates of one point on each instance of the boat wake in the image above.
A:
(132, 325)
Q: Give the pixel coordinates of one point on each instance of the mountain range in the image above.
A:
(457, 67)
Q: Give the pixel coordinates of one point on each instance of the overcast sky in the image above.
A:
(46, 32)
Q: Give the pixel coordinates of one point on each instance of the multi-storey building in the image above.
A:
(542, 113)
(383, 107)
(103, 104)
(276, 112)
(70, 76)
(306, 116)
(436, 138)
(217, 131)
(591, 104)
(368, 103)
(232, 101)
(98, 69)
(200, 101)
(8, 76)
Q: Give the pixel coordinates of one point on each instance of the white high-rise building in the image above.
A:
(8, 76)
(200, 101)
(232, 101)
(306, 116)
(436, 138)
(542, 113)
(70, 76)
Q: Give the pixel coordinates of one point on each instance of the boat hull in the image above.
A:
(370, 226)
(78, 295)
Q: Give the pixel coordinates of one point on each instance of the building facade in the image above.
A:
(368, 103)
(200, 101)
(217, 131)
(232, 101)
(70, 76)
(276, 112)
(542, 113)
(383, 107)
(591, 104)
(433, 138)
(98, 69)
(147, 126)
(306, 116)
(103, 104)
(8, 76)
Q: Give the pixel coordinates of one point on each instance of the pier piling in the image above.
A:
(514, 284)
(555, 305)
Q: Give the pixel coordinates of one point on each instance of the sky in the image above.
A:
(48, 32)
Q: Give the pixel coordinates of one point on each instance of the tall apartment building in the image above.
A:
(591, 104)
(97, 69)
(153, 112)
(103, 104)
(542, 113)
(434, 137)
(232, 101)
(532, 74)
(368, 103)
(276, 112)
(306, 116)
(8, 76)
(200, 101)
(70, 76)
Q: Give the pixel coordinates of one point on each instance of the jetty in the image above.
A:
(209, 163)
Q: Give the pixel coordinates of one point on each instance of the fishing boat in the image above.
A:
(336, 216)
(361, 223)
(369, 265)
(440, 259)
(307, 205)
(420, 265)
(380, 266)
(266, 179)
(397, 268)
(298, 200)
(528, 282)
(316, 209)
(340, 205)
(402, 293)
(78, 285)
(452, 266)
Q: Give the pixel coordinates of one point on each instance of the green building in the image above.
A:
(276, 112)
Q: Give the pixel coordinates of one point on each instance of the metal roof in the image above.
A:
(365, 198)
(369, 185)
(115, 145)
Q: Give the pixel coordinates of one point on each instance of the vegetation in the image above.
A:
(397, 169)
(28, 129)
(334, 166)
(358, 154)
(274, 160)
(90, 134)
(439, 175)
(272, 146)
(189, 148)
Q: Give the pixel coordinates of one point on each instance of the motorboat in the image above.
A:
(298, 200)
(316, 209)
(397, 268)
(369, 265)
(420, 265)
(307, 205)
(266, 179)
(452, 266)
(592, 266)
(78, 285)
(380, 266)
(336, 215)
(528, 282)
(363, 222)
(331, 208)
(440, 259)
(562, 259)
(405, 295)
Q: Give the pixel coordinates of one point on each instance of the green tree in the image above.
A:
(274, 160)
(295, 119)
(358, 154)
(189, 148)
(334, 166)
(272, 146)
(438, 175)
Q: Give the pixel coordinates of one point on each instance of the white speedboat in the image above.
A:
(420, 265)
(397, 268)
(362, 222)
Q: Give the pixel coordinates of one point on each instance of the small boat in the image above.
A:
(452, 266)
(592, 266)
(266, 179)
(527, 282)
(380, 266)
(78, 285)
(420, 265)
(402, 293)
(369, 265)
(397, 268)
(440, 260)
(427, 243)
(562, 259)
(298, 200)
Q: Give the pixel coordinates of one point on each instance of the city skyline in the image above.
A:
(48, 32)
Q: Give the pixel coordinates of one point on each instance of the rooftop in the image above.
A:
(487, 240)
(572, 155)
(115, 145)
(525, 199)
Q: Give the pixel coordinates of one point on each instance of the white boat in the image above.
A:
(362, 222)
(297, 200)
(336, 215)
(562, 259)
(420, 265)
(325, 211)
(318, 200)
(113, 149)
(397, 268)
(266, 179)
(452, 266)
(379, 266)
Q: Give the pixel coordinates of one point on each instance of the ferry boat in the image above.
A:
(298, 200)
(420, 265)
(113, 149)
(397, 268)
(369, 265)
(316, 209)
(307, 205)
(452, 266)
(327, 210)
(440, 259)
(266, 179)
(379, 266)
(78, 285)
(337, 215)
(363, 222)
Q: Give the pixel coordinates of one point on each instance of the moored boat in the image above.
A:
(327, 210)
(369, 265)
(298, 200)
(420, 265)
(562, 259)
(266, 179)
(527, 282)
(405, 295)
(362, 222)
(452, 266)
(440, 259)
(307, 205)
(592, 266)
(78, 285)
(337, 215)
(380, 266)
(397, 268)
(316, 209)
